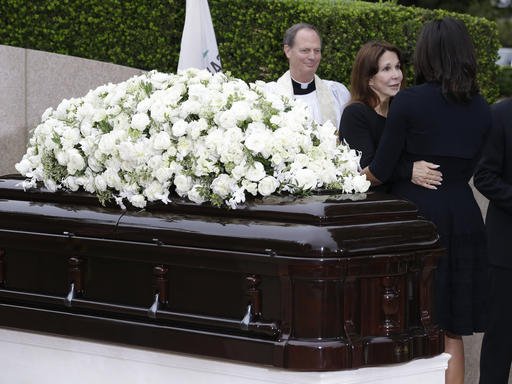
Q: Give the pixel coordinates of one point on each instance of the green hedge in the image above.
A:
(505, 81)
(146, 34)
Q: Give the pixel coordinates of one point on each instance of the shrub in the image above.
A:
(504, 81)
(146, 34)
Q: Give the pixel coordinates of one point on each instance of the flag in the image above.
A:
(198, 43)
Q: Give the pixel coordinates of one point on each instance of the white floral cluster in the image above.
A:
(205, 137)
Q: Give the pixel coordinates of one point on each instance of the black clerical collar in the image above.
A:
(303, 88)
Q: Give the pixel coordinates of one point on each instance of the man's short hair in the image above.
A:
(289, 35)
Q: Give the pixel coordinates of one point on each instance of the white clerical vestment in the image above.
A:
(325, 103)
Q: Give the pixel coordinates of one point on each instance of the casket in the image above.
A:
(321, 282)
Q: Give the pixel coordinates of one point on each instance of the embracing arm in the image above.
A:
(422, 173)
(389, 164)
(354, 129)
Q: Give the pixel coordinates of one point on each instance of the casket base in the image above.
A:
(45, 359)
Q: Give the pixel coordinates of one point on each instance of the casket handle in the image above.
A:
(154, 307)
(244, 324)
(70, 296)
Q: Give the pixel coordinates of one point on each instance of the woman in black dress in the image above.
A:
(376, 78)
(444, 120)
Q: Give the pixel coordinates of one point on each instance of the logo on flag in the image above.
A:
(198, 43)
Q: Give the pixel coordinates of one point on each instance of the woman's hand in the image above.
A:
(366, 171)
(426, 175)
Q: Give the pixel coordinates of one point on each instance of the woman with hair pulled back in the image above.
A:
(444, 120)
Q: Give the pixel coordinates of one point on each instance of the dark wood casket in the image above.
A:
(323, 282)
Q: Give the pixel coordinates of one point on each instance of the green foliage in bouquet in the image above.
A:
(146, 34)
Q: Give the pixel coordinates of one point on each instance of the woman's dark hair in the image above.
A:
(445, 54)
(366, 65)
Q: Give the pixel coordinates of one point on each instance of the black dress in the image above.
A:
(361, 128)
(424, 125)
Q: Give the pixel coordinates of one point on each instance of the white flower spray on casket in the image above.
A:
(209, 138)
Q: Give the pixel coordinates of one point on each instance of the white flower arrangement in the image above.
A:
(209, 138)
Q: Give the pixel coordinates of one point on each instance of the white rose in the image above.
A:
(179, 128)
(255, 114)
(226, 119)
(61, 111)
(267, 185)
(107, 143)
(24, 167)
(112, 178)
(326, 131)
(87, 183)
(238, 197)
(194, 129)
(94, 164)
(250, 187)
(241, 110)
(140, 121)
(46, 114)
(305, 179)
(183, 184)
(76, 161)
(163, 174)
(62, 157)
(162, 141)
(190, 107)
(360, 183)
(277, 160)
(183, 147)
(158, 111)
(127, 151)
(223, 185)
(71, 183)
(204, 166)
(50, 184)
(256, 172)
(156, 191)
(155, 162)
(137, 201)
(195, 196)
(70, 137)
(257, 141)
(239, 171)
(144, 106)
(100, 183)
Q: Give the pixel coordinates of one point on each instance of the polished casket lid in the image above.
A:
(317, 226)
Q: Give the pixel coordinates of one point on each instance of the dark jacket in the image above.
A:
(493, 178)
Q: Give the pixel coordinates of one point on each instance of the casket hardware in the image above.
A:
(70, 296)
(262, 328)
(154, 307)
(244, 324)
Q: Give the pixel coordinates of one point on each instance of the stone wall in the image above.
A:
(33, 81)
